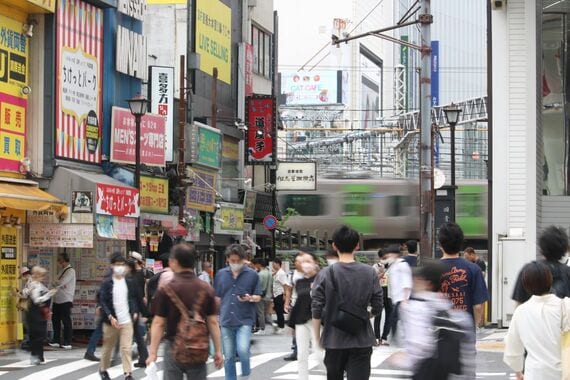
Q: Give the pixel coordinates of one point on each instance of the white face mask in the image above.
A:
(236, 267)
(119, 270)
(332, 261)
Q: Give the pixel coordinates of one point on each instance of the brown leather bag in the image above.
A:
(191, 344)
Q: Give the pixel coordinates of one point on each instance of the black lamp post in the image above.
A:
(452, 115)
(138, 106)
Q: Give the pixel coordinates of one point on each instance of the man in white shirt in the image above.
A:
(205, 275)
(280, 282)
(400, 285)
(121, 303)
(63, 302)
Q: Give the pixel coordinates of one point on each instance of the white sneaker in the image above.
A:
(68, 347)
(56, 345)
(279, 331)
(260, 332)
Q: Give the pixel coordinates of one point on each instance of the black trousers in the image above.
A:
(387, 317)
(62, 314)
(279, 306)
(38, 334)
(395, 317)
(355, 361)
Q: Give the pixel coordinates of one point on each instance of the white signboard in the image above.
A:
(161, 96)
(132, 8)
(131, 54)
(297, 176)
(304, 88)
(79, 78)
(61, 235)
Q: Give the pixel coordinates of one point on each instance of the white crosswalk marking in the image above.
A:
(113, 372)
(23, 364)
(254, 362)
(53, 372)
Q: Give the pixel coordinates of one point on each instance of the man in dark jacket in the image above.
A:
(120, 306)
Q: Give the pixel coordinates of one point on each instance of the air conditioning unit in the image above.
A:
(499, 4)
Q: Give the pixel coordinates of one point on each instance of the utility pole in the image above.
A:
(181, 141)
(425, 19)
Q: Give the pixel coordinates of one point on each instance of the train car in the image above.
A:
(383, 210)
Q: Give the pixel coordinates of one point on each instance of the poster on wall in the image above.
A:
(117, 201)
(123, 138)
(9, 279)
(229, 219)
(260, 136)
(206, 146)
(214, 38)
(79, 70)
(13, 98)
(61, 235)
(161, 97)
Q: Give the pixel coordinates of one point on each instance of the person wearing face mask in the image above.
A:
(238, 288)
(301, 319)
(120, 303)
(400, 285)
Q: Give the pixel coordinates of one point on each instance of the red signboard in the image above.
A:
(117, 201)
(123, 138)
(260, 121)
(248, 69)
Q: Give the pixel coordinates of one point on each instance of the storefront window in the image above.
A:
(555, 122)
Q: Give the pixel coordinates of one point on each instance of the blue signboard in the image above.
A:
(435, 73)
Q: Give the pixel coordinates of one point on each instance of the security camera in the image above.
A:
(28, 28)
(218, 206)
(26, 90)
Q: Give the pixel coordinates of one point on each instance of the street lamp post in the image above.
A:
(452, 115)
(138, 106)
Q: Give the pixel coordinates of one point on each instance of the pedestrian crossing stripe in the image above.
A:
(113, 372)
(255, 361)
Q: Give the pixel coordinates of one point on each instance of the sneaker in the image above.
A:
(66, 346)
(279, 331)
(260, 332)
(104, 375)
(140, 365)
(291, 357)
(90, 356)
(55, 344)
(129, 377)
(35, 361)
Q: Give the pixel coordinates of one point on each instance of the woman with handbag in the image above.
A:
(536, 328)
(38, 313)
(300, 318)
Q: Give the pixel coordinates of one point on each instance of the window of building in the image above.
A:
(262, 43)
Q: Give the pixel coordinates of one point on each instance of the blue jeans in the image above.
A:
(236, 338)
(95, 336)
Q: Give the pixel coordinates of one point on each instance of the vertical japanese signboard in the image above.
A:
(14, 47)
(260, 121)
(79, 70)
(248, 69)
(206, 146)
(8, 281)
(214, 38)
(161, 96)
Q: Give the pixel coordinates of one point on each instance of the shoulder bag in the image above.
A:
(348, 317)
(191, 344)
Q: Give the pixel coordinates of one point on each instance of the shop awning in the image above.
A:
(29, 197)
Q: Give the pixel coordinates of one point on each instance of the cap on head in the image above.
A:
(137, 256)
(24, 271)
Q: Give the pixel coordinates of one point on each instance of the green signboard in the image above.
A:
(206, 146)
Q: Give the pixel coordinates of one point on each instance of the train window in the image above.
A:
(357, 204)
(304, 204)
(397, 204)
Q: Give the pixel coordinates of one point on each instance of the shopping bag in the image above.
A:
(565, 339)
(151, 372)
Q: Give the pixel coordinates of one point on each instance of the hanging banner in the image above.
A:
(435, 73)
(248, 69)
(123, 138)
(260, 136)
(117, 201)
(79, 69)
(214, 38)
(161, 97)
(14, 47)
(9, 242)
(61, 235)
(154, 195)
(206, 145)
(230, 148)
(201, 195)
(297, 176)
(116, 227)
(229, 219)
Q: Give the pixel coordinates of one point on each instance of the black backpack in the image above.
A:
(446, 359)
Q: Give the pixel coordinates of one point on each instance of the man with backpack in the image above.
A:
(553, 244)
(435, 336)
(341, 295)
(187, 308)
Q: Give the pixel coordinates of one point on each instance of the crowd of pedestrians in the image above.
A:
(336, 309)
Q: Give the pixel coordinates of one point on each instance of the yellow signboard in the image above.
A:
(153, 2)
(48, 5)
(154, 195)
(9, 243)
(214, 38)
(229, 219)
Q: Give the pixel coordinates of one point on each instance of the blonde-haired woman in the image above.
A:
(38, 313)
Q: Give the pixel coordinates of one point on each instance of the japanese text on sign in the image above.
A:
(154, 195)
(213, 37)
(260, 118)
(79, 78)
(201, 195)
(296, 176)
(161, 96)
(61, 235)
(117, 201)
(13, 57)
